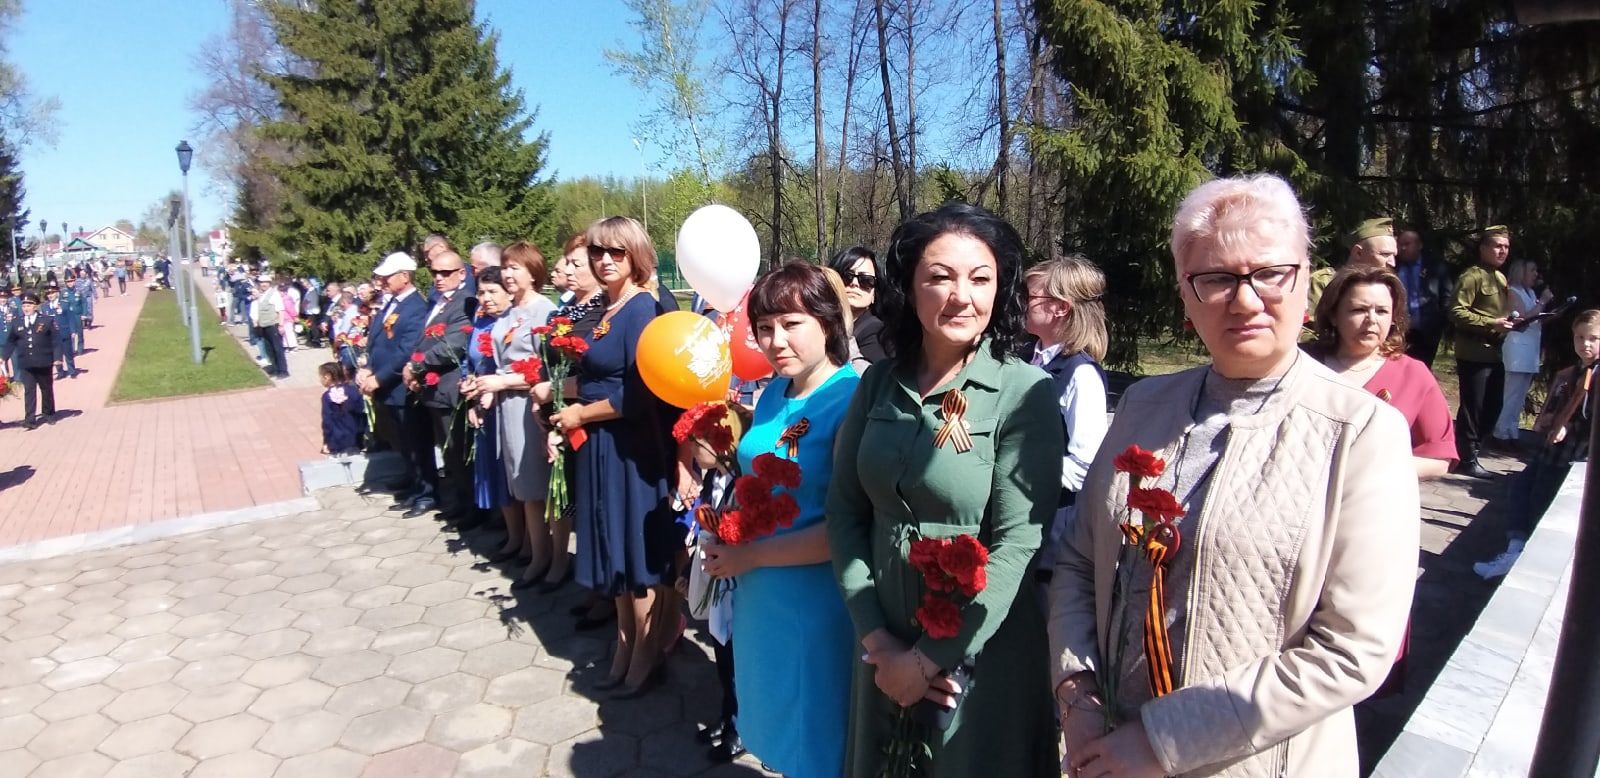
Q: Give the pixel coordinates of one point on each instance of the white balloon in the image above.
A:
(719, 255)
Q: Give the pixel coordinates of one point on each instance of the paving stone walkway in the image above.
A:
(341, 642)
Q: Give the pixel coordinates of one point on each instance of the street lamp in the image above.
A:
(185, 156)
(644, 194)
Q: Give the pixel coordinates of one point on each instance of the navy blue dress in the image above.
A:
(625, 526)
(344, 419)
(488, 474)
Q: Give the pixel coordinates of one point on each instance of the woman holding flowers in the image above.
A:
(792, 643)
(516, 350)
(628, 536)
(1241, 566)
(488, 473)
(948, 468)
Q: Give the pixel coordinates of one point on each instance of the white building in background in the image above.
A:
(110, 239)
(221, 245)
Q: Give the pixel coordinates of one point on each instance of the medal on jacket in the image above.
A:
(601, 330)
(790, 439)
(511, 332)
(955, 429)
(388, 324)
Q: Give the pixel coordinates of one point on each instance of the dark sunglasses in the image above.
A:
(597, 252)
(866, 281)
(448, 273)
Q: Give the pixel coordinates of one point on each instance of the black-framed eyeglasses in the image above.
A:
(448, 273)
(1270, 283)
(866, 281)
(597, 252)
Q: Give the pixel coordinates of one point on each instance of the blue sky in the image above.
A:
(124, 71)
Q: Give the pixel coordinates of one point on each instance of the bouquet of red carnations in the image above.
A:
(562, 350)
(756, 511)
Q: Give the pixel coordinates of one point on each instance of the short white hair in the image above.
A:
(1239, 214)
(490, 251)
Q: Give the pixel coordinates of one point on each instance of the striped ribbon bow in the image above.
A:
(790, 439)
(954, 430)
(1159, 545)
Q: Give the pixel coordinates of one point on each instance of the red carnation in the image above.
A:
(939, 617)
(560, 321)
(784, 509)
(528, 368)
(752, 492)
(486, 344)
(467, 328)
(924, 554)
(542, 330)
(434, 331)
(1156, 504)
(730, 529)
(779, 471)
(416, 356)
(963, 559)
(432, 379)
(1139, 463)
(703, 422)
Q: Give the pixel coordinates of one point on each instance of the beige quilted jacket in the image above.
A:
(1306, 560)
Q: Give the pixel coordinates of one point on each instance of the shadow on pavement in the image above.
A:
(15, 476)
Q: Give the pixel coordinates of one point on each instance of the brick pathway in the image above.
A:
(109, 467)
(342, 642)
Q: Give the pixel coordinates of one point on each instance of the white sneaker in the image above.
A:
(1500, 565)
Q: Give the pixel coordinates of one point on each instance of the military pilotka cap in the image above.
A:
(1495, 231)
(1370, 228)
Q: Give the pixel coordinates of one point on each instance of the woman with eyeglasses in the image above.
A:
(628, 535)
(1287, 575)
(857, 266)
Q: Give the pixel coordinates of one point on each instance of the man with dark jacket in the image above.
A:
(34, 341)
(395, 329)
(434, 375)
(1427, 285)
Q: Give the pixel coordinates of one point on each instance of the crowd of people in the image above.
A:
(43, 331)
(966, 567)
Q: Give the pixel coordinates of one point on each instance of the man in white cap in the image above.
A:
(395, 330)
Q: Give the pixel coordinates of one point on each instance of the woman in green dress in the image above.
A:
(955, 436)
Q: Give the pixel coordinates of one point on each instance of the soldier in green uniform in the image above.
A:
(1479, 316)
(1371, 244)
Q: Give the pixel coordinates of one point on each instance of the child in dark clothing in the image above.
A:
(1563, 430)
(344, 411)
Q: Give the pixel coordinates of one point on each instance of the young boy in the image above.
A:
(712, 458)
(1563, 428)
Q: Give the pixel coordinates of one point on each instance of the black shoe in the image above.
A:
(422, 507)
(30, 424)
(504, 556)
(729, 748)
(528, 582)
(594, 622)
(555, 584)
(1471, 468)
(405, 502)
(611, 683)
(650, 682)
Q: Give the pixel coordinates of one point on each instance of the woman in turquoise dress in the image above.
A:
(792, 639)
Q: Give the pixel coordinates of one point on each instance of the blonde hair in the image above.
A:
(837, 284)
(628, 234)
(1237, 215)
(1076, 280)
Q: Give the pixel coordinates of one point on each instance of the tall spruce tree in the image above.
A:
(400, 122)
(13, 216)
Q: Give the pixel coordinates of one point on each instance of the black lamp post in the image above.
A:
(186, 292)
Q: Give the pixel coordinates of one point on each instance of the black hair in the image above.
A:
(801, 287)
(334, 371)
(491, 275)
(906, 247)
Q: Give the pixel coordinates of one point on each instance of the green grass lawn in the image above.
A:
(159, 363)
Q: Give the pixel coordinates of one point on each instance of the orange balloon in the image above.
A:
(748, 361)
(683, 358)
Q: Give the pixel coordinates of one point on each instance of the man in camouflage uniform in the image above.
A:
(1479, 316)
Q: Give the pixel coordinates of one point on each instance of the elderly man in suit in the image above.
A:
(434, 376)
(396, 330)
(34, 339)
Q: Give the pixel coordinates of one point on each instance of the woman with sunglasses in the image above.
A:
(1289, 568)
(628, 535)
(858, 267)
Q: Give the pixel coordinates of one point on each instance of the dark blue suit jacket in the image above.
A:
(391, 347)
